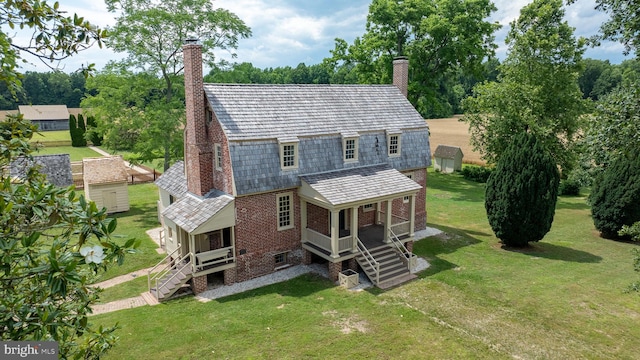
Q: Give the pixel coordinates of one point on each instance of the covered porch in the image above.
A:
(345, 212)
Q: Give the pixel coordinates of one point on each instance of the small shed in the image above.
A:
(105, 182)
(56, 168)
(47, 117)
(448, 158)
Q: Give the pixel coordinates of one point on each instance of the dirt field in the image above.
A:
(450, 131)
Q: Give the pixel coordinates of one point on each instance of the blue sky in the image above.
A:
(288, 32)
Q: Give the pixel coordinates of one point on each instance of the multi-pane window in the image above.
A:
(350, 149)
(218, 155)
(368, 207)
(280, 259)
(288, 156)
(285, 211)
(406, 198)
(394, 145)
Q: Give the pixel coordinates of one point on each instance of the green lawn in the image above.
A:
(75, 153)
(141, 216)
(49, 136)
(562, 298)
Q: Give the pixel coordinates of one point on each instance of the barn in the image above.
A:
(105, 183)
(448, 158)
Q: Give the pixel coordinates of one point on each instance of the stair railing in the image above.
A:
(168, 266)
(407, 256)
(179, 265)
(371, 261)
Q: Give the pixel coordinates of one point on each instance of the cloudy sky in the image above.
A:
(288, 32)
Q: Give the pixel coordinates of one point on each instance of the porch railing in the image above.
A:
(399, 225)
(408, 257)
(324, 242)
(178, 264)
(213, 257)
(370, 260)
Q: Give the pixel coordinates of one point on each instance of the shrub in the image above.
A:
(615, 196)
(522, 192)
(92, 133)
(569, 187)
(476, 173)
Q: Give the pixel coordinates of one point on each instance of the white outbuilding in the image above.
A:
(448, 158)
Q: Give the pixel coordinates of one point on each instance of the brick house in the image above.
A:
(280, 175)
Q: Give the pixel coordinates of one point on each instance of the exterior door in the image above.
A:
(110, 201)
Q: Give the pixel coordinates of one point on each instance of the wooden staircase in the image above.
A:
(168, 276)
(388, 268)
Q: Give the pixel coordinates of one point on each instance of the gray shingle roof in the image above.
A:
(446, 151)
(359, 184)
(173, 180)
(191, 211)
(104, 170)
(56, 168)
(271, 111)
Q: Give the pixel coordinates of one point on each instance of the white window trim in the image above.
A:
(368, 207)
(350, 137)
(218, 156)
(291, 211)
(296, 155)
(399, 145)
(405, 199)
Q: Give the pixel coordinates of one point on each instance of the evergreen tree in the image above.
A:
(522, 191)
(615, 197)
(92, 133)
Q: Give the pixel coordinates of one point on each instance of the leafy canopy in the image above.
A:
(537, 90)
(439, 37)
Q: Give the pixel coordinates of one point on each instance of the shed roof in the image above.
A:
(359, 184)
(253, 111)
(104, 170)
(173, 180)
(447, 151)
(44, 112)
(192, 211)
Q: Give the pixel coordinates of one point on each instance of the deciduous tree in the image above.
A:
(537, 90)
(439, 37)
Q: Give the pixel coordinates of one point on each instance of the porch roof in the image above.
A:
(192, 212)
(371, 183)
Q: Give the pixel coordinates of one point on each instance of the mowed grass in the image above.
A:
(75, 153)
(562, 298)
(141, 216)
(52, 136)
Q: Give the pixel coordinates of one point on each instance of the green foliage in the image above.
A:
(441, 38)
(54, 36)
(614, 128)
(615, 196)
(522, 191)
(569, 187)
(537, 90)
(93, 134)
(76, 130)
(477, 173)
(632, 231)
(52, 245)
(623, 25)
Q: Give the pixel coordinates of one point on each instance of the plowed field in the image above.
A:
(451, 131)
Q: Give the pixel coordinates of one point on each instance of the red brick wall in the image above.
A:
(318, 219)
(198, 150)
(366, 218)
(420, 176)
(222, 179)
(258, 237)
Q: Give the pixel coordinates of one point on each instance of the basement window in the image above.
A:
(280, 259)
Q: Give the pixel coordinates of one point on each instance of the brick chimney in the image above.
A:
(401, 74)
(198, 152)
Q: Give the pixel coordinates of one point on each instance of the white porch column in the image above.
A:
(387, 222)
(354, 229)
(335, 233)
(303, 220)
(412, 217)
(192, 246)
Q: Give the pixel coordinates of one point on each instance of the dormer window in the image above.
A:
(350, 147)
(288, 153)
(393, 143)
